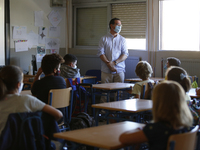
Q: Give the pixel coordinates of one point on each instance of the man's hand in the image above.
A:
(111, 66)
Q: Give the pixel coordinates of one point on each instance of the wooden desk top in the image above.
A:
(138, 79)
(131, 105)
(192, 93)
(105, 136)
(112, 86)
(26, 92)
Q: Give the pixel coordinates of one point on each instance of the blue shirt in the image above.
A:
(112, 47)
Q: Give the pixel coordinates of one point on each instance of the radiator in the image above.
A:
(192, 66)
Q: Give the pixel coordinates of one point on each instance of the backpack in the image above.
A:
(81, 121)
(80, 93)
(149, 89)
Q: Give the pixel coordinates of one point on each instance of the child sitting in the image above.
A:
(143, 70)
(179, 75)
(11, 83)
(69, 68)
(172, 61)
(170, 116)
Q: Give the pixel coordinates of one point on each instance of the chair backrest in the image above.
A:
(183, 141)
(147, 90)
(193, 78)
(96, 73)
(60, 98)
(27, 131)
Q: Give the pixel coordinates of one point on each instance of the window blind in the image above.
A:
(133, 19)
(91, 25)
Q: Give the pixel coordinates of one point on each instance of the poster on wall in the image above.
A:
(55, 18)
(54, 31)
(19, 32)
(40, 53)
(39, 18)
(42, 35)
(32, 39)
(21, 45)
(52, 43)
(54, 51)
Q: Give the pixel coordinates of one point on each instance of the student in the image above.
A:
(143, 71)
(50, 67)
(172, 61)
(69, 68)
(179, 75)
(170, 116)
(11, 83)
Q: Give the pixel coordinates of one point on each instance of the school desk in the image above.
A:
(130, 107)
(99, 89)
(85, 79)
(192, 93)
(27, 92)
(105, 136)
(133, 80)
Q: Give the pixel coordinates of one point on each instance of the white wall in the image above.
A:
(2, 33)
(22, 14)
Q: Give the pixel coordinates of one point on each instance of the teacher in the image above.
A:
(113, 52)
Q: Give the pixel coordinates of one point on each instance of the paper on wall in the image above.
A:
(54, 31)
(39, 18)
(52, 43)
(42, 35)
(21, 45)
(55, 18)
(32, 39)
(56, 51)
(40, 53)
(19, 32)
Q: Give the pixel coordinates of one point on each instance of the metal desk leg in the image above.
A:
(93, 101)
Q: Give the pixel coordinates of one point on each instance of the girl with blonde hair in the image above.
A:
(170, 116)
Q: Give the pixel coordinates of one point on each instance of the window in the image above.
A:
(179, 23)
(91, 25)
(133, 18)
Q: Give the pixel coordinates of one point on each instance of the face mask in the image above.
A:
(117, 29)
(20, 88)
(74, 67)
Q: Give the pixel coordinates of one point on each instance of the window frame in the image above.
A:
(109, 14)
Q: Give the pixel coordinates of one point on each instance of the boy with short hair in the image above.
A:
(69, 68)
(143, 71)
(50, 66)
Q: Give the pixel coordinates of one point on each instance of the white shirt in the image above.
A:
(14, 103)
(112, 47)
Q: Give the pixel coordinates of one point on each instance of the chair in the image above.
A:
(147, 90)
(96, 73)
(62, 98)
(193, 78)
(29, 130)
(183, 141)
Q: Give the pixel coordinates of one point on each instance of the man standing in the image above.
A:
(113, 53)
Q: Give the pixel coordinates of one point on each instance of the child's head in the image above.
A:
(179, 75)
(70, 60)
(11, 78)
(169, 105)
(172, 61)
(51, 63)
(143, 70)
